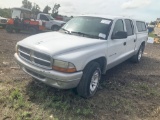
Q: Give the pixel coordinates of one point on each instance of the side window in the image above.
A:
(119, 26)
(43, 17)
(141, 26)
(129, 27)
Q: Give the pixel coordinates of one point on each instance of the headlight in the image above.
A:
(62, 66)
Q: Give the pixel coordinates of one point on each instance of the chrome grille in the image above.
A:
(35, 57)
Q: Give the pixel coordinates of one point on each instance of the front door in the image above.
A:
(116, 47)
(47, 22)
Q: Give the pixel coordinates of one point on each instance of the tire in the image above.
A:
(55, 28)
(137, 58)
(4, 26)
(33, 30)
(89, 81)
(9, 28)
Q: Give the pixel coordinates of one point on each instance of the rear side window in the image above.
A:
(141, 26)
(119, 26)
(43, 17)
(129, 27)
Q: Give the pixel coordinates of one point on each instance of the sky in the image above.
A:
(148, 10)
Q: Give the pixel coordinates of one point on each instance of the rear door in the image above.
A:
(131, 39)
(116, 47)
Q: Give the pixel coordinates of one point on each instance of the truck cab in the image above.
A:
(51, 23)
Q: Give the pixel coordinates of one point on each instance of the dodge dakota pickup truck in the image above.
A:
(81, 51)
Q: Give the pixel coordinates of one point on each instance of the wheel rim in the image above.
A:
(140, 55)
(94, 81)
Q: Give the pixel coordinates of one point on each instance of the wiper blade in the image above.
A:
(67, 31)
(88, 35)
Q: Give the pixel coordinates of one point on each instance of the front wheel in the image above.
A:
(55, 28)
(9, 28)
(4, 26)
(90, 80)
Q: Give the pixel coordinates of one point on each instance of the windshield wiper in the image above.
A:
(66, 31)
(88, 35)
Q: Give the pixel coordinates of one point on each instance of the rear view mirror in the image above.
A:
(119, 35)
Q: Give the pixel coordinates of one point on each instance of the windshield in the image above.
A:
(91, 26)
(50, 17)
(16, 13)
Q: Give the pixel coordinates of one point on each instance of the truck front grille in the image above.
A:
(35, 57)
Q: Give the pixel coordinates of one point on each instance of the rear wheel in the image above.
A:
(90, 80)
(137, 58)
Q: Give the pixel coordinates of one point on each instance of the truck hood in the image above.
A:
(55, 43)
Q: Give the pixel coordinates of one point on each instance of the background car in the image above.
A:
(3, 22)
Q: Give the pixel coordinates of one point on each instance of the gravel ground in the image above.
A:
(128, 91)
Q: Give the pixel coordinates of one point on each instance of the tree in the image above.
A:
(35, 9)
(46, 9)
(6, 12)
(55, 10)
(153, 23)
(26, 4)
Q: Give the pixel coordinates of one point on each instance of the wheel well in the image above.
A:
(143, 44)
(54, 26)
(102, 62)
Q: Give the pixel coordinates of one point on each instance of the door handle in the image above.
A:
(134, 40)
(124, 43)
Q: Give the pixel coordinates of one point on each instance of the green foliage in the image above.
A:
(17, 99)
(24, 115)
(46, 9)
(152, 35)
(6, 12)
(35, 9)
(55, 10)
(153, 23)
(27, 4)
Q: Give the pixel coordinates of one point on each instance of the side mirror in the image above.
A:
(120, 35)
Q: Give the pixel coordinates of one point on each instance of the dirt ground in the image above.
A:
(128, 91)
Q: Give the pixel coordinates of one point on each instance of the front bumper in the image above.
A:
(50, 77)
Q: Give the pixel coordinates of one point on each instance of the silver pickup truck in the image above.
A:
(84, 49)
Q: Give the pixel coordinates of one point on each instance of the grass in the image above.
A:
(39, 101)
(152, 35)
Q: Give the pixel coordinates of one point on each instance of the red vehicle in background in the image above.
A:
(23, 20)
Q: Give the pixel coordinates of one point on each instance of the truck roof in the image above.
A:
(22, 9)
(110, 17)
